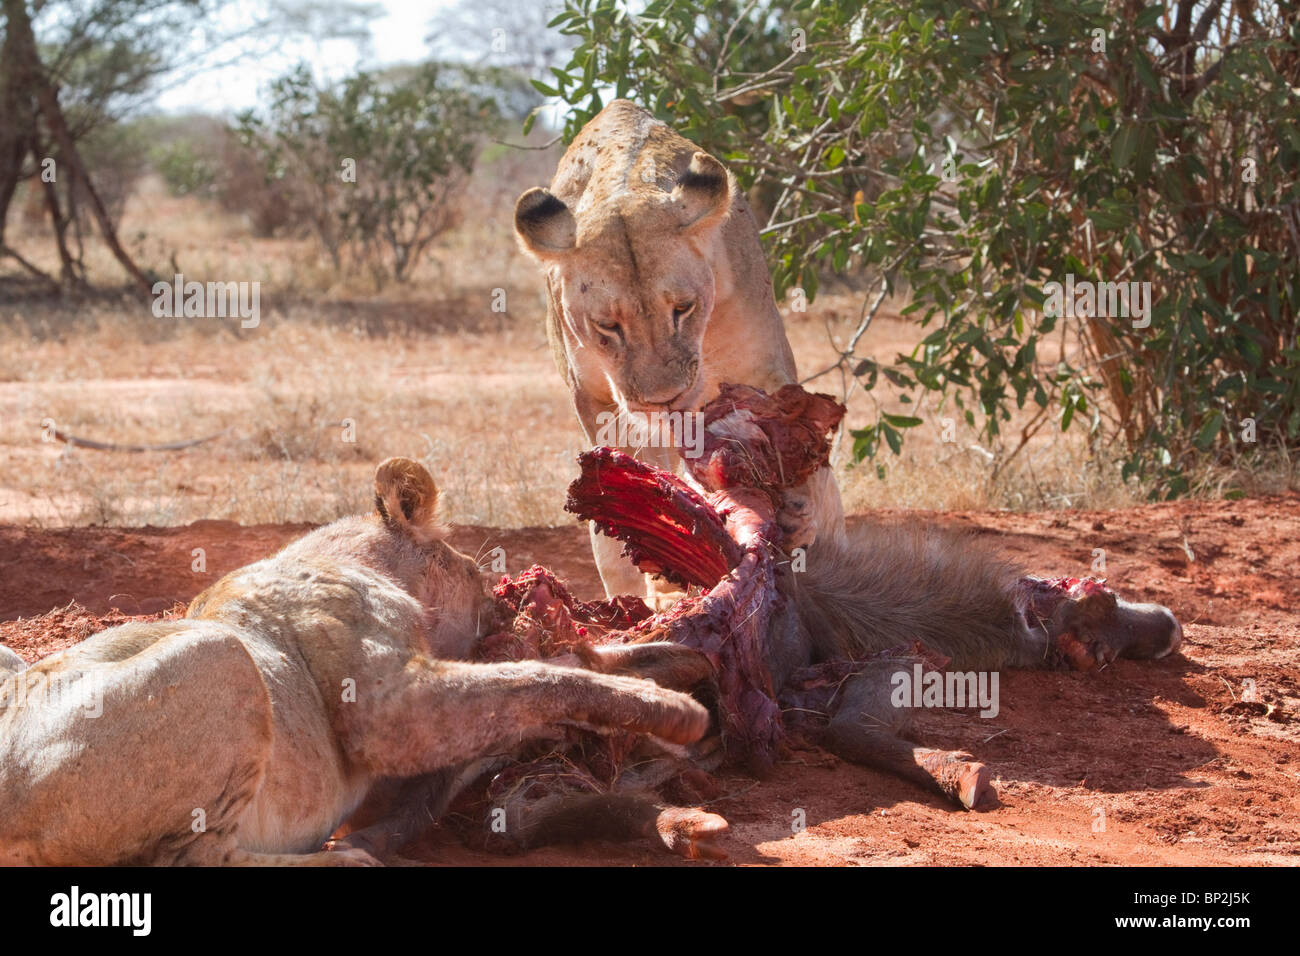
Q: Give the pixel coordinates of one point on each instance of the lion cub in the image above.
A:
(248, 731)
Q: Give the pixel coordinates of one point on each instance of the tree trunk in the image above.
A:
(25, 78)
(60, 222)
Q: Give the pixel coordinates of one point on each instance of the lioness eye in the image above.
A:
(682, 311)
(609, 329)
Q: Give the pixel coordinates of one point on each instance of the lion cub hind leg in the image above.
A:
(398, 811)
(142, 745)
(349, 856)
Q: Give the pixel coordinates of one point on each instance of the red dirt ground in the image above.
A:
(1179, 767)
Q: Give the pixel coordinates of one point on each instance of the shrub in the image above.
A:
(375, 163)
(979, 155)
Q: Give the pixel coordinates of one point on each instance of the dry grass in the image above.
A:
(427, 370)
(306, 411)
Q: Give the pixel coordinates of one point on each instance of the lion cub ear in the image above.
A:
(407, 498)
(703, 194)
(544, 225)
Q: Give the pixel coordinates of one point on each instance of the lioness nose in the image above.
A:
(675, 382)
(667, 399)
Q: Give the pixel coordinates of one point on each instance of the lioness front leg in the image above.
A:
(433, 714)
(670, 665)
(810, 511)
(618, 574)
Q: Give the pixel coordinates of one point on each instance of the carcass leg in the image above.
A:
(865, 729)
(569, 818)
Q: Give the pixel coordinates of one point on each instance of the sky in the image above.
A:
(398, 36)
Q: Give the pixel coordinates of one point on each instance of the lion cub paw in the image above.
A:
(340, 854)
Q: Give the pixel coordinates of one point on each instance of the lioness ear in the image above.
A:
(703, 194)
(544, 224)
(407, 498)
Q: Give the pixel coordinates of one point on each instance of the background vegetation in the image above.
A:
(971, 153)
(920, 174)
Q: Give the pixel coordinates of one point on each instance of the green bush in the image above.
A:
(184, 168)
(977, 155)
(374, 163)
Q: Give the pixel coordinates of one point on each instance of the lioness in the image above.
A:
(248, 731)
(657, 294)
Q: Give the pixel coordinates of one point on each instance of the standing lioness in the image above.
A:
(248, 731)
(657, 294)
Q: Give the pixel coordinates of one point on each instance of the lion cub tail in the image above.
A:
(10, 663)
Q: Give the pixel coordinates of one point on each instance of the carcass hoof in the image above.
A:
(965, 781)
(974, 785)
(691, 832)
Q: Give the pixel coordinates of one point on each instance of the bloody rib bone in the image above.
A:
(666, 526)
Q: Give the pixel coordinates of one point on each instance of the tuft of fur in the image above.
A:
(10, 663)
(884, 586)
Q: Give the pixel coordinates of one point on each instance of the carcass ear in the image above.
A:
(407, 498)
(703, 194)
(544, 224)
